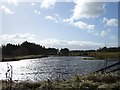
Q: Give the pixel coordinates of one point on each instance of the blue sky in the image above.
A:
(75, 25)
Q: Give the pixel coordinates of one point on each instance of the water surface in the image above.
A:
(51, 67)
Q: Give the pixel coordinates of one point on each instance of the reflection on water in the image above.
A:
(51, 67)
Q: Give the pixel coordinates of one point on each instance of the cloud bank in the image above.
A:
(16, 38)
(73, 45)
(55, 43)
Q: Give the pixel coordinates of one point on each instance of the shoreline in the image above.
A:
(90, 56)
(23, 57)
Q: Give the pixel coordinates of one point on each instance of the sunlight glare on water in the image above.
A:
(51, 67)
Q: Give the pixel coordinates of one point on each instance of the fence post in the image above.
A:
(9, 77)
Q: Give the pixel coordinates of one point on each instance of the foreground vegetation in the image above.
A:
(94, 81)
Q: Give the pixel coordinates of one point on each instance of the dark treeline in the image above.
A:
(27, 48)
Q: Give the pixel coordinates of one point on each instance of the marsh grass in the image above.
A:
(105, 55)
(94, 81)
(98, 55)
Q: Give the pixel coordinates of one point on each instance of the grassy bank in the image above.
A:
(94, 81)
(105, 55)
(22, 57)
(99, 55)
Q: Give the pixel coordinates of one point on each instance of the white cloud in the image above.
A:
(55, 17)
(47, 3)
(37, 12)
(16, 38)
(110, 22)
(68, 20)
(51, 18)
(13, 1)
(105, 33)
(80, 24)
(83, 25)
(84, 9)
(87, 10)
(6, 10)
(71, 44)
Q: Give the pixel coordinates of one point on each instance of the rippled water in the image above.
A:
(51, 67)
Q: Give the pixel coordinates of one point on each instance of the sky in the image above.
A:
(76, 24)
